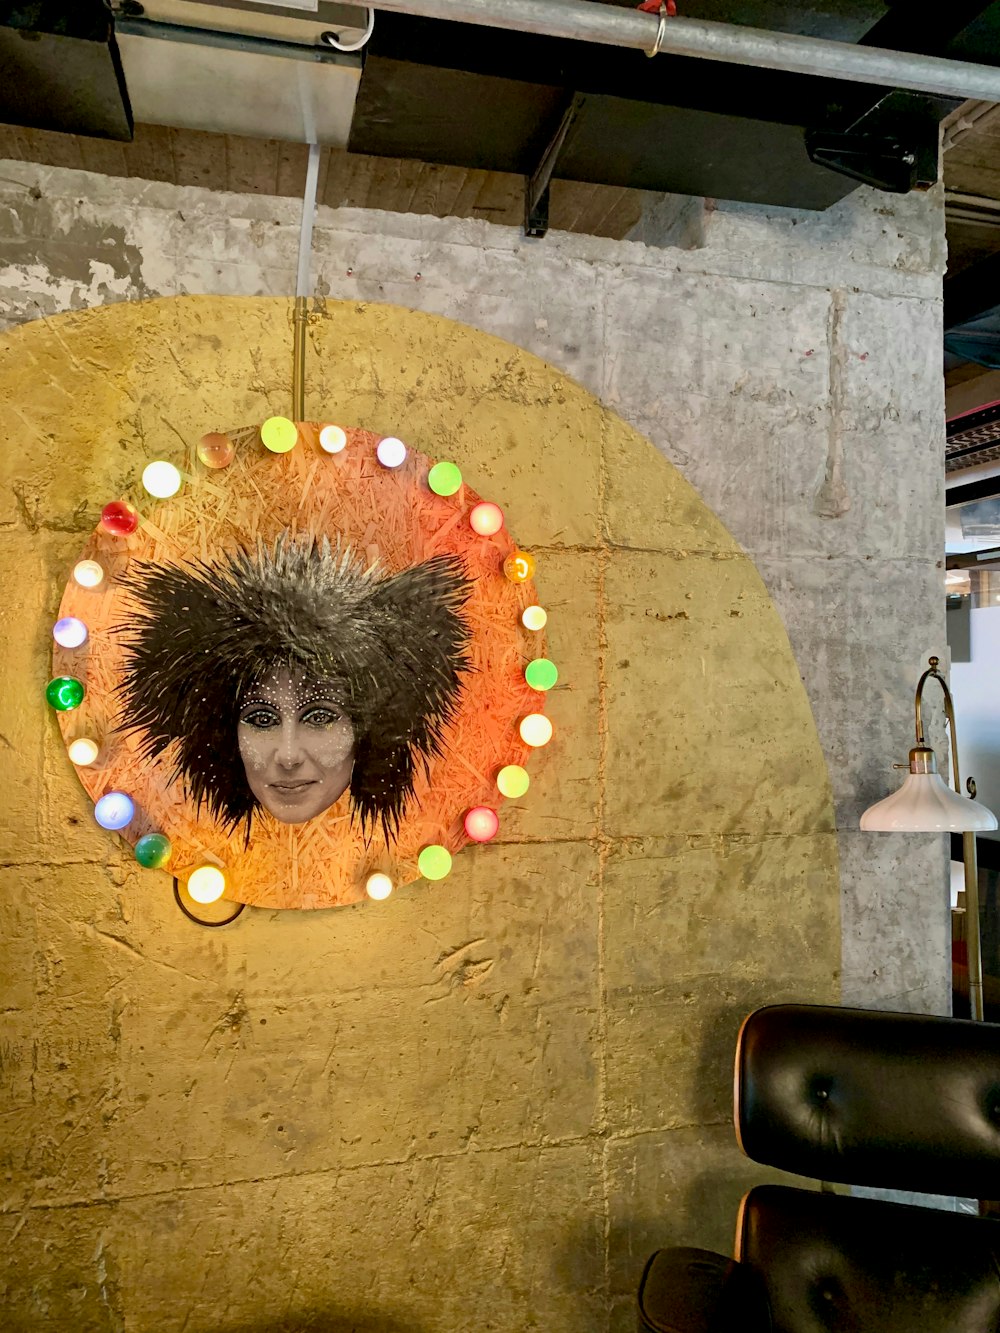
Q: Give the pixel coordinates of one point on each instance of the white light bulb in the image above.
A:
(161, 480)
(391, 452)
(69, 632)
(114, 810)
(536, 730)
(332, 439)
(83, 751)
(206, 884)
(88, 574)
(378, 886)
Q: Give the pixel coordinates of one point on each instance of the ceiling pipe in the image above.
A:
(607, 25)
(962, 121)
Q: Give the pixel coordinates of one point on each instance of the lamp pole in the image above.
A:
(969, 857)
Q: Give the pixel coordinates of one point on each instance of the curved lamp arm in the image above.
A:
(949, 708)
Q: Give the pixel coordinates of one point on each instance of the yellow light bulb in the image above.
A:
(534, 617)
(206, 884)
(279, 434)
(83, 751)
(536, 730)
(161, 480)
(378, 886)
(512, 781)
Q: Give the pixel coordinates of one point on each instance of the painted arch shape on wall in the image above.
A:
(686, 718)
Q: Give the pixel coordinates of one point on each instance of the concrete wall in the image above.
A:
(790, 369)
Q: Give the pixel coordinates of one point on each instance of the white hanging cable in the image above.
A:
(308, 216)
(331, 39)
(302, 285)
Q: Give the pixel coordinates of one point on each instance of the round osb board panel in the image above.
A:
(391, 520)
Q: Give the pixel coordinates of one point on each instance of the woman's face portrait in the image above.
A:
(317, 632)
(297, 745)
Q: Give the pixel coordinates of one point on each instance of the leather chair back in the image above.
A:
(901, 1101)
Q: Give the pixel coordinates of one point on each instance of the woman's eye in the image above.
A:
(321, 717)
(261, 718)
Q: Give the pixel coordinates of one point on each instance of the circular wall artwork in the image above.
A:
(304, 672)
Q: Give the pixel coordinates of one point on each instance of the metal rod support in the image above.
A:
(299, 318)
(607, 25)
(233, 41)
(973, 943)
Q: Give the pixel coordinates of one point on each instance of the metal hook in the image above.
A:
(661, 30)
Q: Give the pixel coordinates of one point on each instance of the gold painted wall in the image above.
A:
(481, 1103)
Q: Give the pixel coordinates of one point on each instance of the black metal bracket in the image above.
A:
(893, 145)
(536, 186)
(883, 162)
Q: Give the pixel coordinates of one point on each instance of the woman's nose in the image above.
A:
(289, 753)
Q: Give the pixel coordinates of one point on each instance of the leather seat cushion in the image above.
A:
(835, 1263)
(686, 1290)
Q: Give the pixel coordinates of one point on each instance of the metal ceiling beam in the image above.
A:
(607, 25)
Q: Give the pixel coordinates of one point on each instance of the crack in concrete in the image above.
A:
(833, 499)
(517, 1147)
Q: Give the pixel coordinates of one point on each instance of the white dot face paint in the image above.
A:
(297, 745)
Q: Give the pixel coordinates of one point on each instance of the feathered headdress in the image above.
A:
(392, 647)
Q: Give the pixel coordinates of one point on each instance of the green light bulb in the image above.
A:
(434, 862)
(153, 850)
(444, 478)
(64, 693)
(541, 674)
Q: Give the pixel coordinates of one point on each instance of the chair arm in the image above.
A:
(697, 1291)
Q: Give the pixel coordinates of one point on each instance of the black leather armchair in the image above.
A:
(848, 1096)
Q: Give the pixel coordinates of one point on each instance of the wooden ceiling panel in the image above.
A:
(972, 161)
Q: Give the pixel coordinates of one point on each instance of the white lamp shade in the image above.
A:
(925, 804)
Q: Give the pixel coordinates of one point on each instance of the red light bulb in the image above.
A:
(119, 518)
(481, 823)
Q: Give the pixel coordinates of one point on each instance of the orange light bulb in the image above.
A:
(519, 567)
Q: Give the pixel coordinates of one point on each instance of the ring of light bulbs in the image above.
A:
(206, 883)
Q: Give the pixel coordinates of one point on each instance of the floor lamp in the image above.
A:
(925, 804)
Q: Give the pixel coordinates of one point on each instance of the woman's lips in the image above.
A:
(291, 788)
